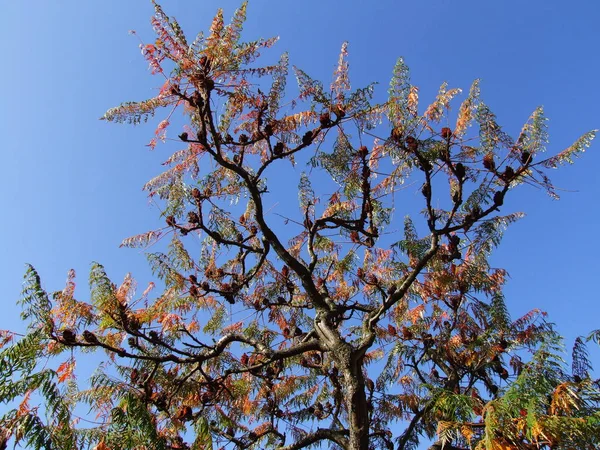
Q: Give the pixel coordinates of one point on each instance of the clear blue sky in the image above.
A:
(71, 184)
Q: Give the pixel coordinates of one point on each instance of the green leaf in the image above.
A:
(567, 156)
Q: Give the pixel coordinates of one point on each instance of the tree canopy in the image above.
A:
(346, 324)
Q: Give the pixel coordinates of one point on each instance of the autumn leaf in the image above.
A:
(65, 370)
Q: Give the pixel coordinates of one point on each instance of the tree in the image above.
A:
(333, 331)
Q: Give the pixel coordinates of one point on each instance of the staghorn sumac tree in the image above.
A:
(340, 324)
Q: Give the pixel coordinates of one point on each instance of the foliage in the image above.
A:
(332, 331)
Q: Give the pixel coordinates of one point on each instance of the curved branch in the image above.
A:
(372, 320)
(337, 436)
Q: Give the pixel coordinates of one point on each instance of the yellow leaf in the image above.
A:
(467, 432)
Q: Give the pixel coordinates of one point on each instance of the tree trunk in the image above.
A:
(355, 399)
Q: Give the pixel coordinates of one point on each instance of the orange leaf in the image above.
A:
(102, 446)
(24, 405)
(65, 370)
